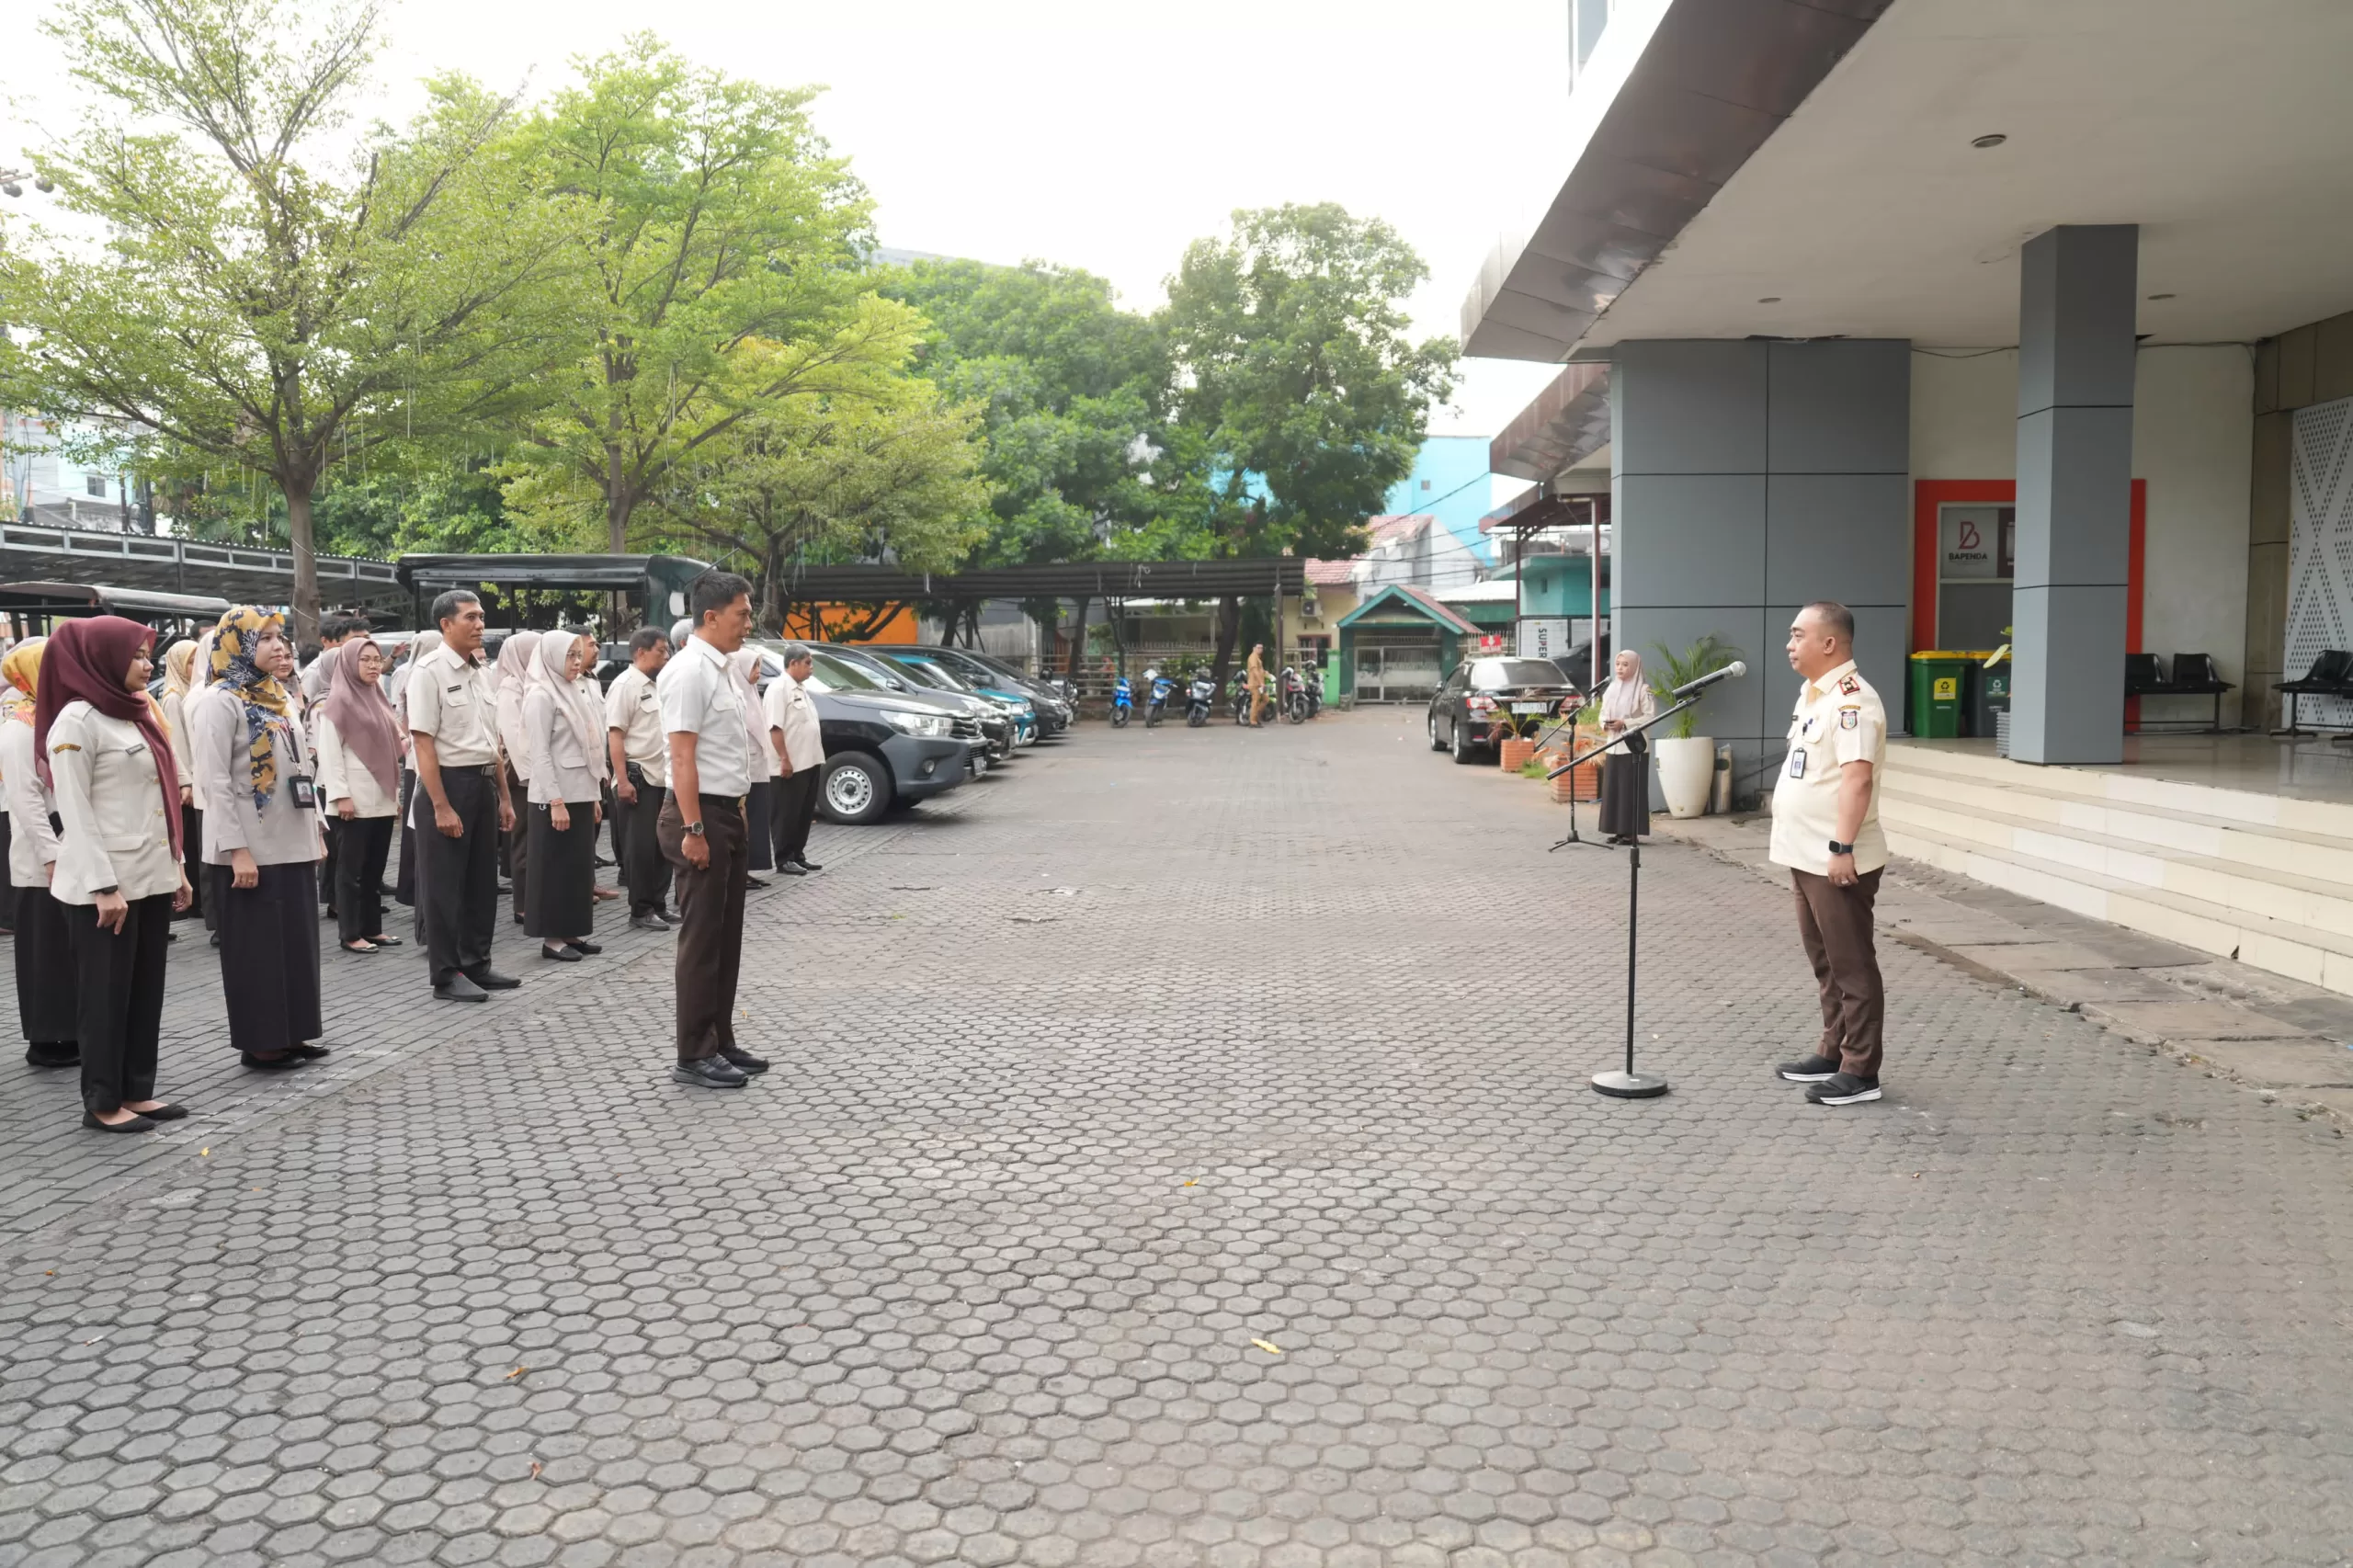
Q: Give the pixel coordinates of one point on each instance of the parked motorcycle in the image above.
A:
(1162, 689)
(1242, 699)
(1294, 698)
(1123, 703)
(1202, 693)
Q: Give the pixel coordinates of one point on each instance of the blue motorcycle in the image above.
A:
(1162, 689)
(1123, 703)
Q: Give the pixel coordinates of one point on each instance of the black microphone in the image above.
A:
(1705, 681)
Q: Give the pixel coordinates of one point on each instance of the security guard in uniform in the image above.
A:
(1826, 830)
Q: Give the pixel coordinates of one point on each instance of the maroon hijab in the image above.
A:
(362, 718)
(85, 661)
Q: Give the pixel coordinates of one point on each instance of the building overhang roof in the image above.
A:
(1399, 597)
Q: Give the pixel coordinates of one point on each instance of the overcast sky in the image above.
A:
(1099, 135)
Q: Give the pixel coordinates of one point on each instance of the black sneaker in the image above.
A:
(744, 1061)
(1843, 1088)
(1812, 1070)
(648, 922)
(710, 1073)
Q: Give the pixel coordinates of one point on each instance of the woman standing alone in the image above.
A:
(360, 745)
(107, 762)
(45, 989)
(262, 843)
(563, 731)
(1625, 776)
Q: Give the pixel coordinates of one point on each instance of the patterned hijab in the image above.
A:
(236, 643)
(21, 668)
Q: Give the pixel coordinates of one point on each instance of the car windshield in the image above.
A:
(1491, 675)
(970, 669)
(841, 673)
(926, 670)
(867, 664)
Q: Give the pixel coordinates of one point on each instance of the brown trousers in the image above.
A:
(1837, 924)
(710, 921)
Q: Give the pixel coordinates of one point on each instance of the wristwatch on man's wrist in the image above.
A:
(695, 828)
(1838, 848)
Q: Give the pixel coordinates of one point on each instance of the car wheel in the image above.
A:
(1464, 755)
(1435, 744)
(857, 789)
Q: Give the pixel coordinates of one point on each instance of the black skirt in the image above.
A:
(757, 809)
(561, 899)
(269, 954)
(46, 1006)
(1626, 791)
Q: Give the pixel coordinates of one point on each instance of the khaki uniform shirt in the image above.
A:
(449, 699)
(1838, 719)
(634, 709)
(111, 799)
(788, 708)
(701, 697)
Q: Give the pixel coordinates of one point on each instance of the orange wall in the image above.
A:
(900, 628)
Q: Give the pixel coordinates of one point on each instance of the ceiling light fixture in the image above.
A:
(1994, 140)
(1769, 300)
(2161, 296)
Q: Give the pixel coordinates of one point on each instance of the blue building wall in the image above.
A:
(1450, 483)
(1560, 584)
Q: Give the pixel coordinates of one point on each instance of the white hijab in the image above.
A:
(568, 693)
(1630, 700)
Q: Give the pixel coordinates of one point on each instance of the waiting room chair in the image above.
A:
(2331, 675)
(2195, 675)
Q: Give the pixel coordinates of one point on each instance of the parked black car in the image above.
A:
(984, 670)
(883, 747)
(1484, 695)
(978, 721)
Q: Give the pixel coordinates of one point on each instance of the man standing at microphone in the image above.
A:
(1826, 830)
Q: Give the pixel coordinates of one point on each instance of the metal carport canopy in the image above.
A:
(1076, 579)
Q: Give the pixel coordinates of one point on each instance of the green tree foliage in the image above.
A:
(1303, 399)
(812, 481)
(720, 275)
(258, 299)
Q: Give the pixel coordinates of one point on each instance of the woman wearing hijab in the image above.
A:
(101, 745)
(179, 676)
(563, 727)
(511, 678)
(745, 663)
(1625, 772)
(45, 989)
(360, 746)
(424, 643)
(262, 842)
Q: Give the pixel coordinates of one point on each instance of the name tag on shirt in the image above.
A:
(305, 792)
(1797, 762)
(457, 696)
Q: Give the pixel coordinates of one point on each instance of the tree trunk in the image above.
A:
(306, 559)
(1078, 642)
(618, 504)
(1229, 625)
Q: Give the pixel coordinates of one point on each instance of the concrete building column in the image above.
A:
(2077, 294)
(1749, 478)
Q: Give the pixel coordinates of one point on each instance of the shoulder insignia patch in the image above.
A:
(62, 746)
(1850, 717)
(1848, 686)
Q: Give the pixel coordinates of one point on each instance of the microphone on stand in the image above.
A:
(1729, 672)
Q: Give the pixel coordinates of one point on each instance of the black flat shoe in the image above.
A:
(166, 1113)
(590, 948)
(458, 988)
(558, 955)
(308, 1052)
(490, 979)
(136, 1124)
(283, 1062)
(809, 865)
(744, 1061)
(754, 882)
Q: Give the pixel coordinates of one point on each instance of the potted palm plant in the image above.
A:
(1687, 762)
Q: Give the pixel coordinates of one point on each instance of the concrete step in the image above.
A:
(2132, 788)
(1951, 841)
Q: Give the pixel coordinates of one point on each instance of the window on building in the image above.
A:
(95, 484)
(1426, 484)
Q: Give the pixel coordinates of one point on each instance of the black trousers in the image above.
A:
(269, 955)
(8, 883)
(458, 878)
(644, 870)
(359, 877)
(333, 826)
(121, 1014)
(192, 862)
(48, 1008)
(758, 813)
(405, 884)
(795, 810)
(711, 932)
(518, 842)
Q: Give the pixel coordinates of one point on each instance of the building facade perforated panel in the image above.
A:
(2320, 549)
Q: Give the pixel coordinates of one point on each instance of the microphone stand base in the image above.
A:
(1628, 1085)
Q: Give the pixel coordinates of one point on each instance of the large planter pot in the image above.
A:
(1514, 754)
(1686, 769)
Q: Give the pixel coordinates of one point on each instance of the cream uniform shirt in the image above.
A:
(1838, 719)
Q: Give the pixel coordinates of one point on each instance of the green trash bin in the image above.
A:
(1933, 698)
(1986, 694)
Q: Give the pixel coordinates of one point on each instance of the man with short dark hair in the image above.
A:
(640, 754)
(462, 804)
(1826, 830)
(800, 748)
(702, 830)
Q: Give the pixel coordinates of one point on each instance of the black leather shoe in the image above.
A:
(136, 1124)
(166, 1113)
(558, 954)
(809, 865)
(307, 1052)
(53, 1053)
(458, 988)
(490, 979)
(284, 1062)
(589, 949)
(710, 1073)
(648, 922)
(744, 1061)
(790, 870)
(754, 882)
(671, 920)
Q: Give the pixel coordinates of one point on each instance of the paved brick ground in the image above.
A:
(1166, 1049)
